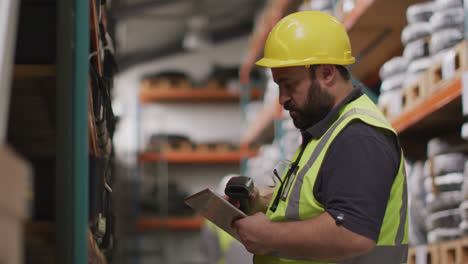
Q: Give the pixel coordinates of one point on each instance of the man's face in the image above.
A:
(302, 95)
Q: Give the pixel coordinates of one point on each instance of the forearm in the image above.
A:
(318, 239)
(262, 200)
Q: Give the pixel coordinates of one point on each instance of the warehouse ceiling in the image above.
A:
(150, 29)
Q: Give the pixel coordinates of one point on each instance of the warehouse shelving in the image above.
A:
(193, 95)
(172, 223)
(436, 110)
(264, 120)
(374, 28)
(181, 157)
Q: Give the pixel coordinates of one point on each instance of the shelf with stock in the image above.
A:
(438, 114)
(170, 223)
(187, 157)
(374, 28)
(162, 95)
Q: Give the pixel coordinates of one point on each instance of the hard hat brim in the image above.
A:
(272, 63)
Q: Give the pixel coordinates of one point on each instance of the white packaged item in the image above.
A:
(445, 4)
(443, 234)
(464, 131)
(449, 18)
(320, 5)
(440, 56)
(416, 31)
(416, 179)
(417, 207)
(445, 163)
(416, 49)
(393, 83)
(419, 65)
(464, 210)
(445, 219)
(420, 12)
(290, 142)
(445, 39)
(464, 227)
(392, 99)
(445, 183)
(465, 183)
(445, 144)
(412, 78)
(416, 227)
(393, 67)
(445, 201)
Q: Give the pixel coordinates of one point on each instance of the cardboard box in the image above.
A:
(13, 205)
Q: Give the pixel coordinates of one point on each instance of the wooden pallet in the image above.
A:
(183, 146)
(214, 147)
(454, 252)
(385, 109)
(432, 254)
(415, 93)
(435, 79)
(164, 83)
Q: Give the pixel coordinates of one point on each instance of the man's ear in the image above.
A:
(326, 73)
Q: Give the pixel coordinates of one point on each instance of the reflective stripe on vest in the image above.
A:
(392, 244)
(292, 211)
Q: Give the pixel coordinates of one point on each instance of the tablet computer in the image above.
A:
(216, 209)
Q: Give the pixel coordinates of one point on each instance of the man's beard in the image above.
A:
(318, 104)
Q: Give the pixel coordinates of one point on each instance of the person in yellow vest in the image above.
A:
(218, 246)
(343, 198)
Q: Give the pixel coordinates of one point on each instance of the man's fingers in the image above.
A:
(234, 202)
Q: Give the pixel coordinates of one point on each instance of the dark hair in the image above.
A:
(344, 72)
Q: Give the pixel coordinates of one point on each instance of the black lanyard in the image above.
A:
(293, 168)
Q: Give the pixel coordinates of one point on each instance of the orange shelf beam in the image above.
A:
(350, 19)
(34, 70)
(196, 156)
(188, 95)
(170, 223)
(432, 103)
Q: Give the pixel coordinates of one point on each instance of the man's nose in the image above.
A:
(283, 97)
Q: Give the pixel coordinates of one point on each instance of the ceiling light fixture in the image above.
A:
(196, 38)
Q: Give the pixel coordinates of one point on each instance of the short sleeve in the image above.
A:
(356, 177)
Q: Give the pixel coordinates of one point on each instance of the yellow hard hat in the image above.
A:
(306, 38)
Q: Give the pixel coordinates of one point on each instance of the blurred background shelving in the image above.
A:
(189, 107)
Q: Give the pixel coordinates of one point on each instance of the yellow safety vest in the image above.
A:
(224, 240)
(299, 203)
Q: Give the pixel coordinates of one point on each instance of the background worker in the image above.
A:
(218, 246)
(343, 198)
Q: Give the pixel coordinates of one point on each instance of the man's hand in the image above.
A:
(258, 200)
(255, 232)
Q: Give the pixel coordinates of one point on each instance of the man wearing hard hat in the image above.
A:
(343, 198)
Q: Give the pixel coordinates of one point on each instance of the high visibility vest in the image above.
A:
(224, 239)
(299, 203)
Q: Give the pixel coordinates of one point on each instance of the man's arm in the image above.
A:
(316, 239)
(259, 200)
